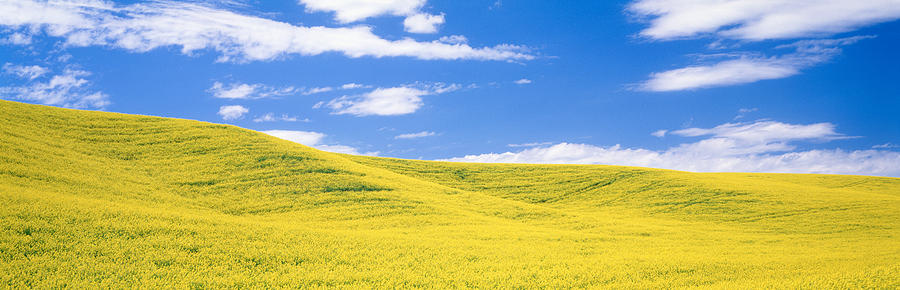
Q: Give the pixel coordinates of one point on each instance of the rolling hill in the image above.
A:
(109, 200)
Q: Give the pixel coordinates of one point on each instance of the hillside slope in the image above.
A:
(105, 199)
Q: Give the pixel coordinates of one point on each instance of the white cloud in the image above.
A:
(28, 72)
(454, 39)
(422, 134)
(271, 117)
(885, 146)
(18, 39)
(423, 23)
(347, 86)
(731, 72)
(534, 144)
(302, 137)
(69, 89)
(748, 69)
(764, 146)
(314, 139)
(522, 82)
(248, 91)
(659, 133)
(196, 27)
(752, 20)
(766, 131)
(387, 101)
(232, 112)
(759, 20)
(350, 86)
(318, 90)
(347, 11)
(380, 102)
(742, 112)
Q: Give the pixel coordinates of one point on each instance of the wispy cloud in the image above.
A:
(235, 37)
(232, 112)
(248, 91)
(347, 86)
(29, 72)
(742, 112)
(742, 21)
(422, 134)
(748, 68)
(68, 89)
(316, 140)
(886, 146)
(759, 20)
(764, 146)
(272, 117)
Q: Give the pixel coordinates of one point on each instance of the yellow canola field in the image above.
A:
(96, 199)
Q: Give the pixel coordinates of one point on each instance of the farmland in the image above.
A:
(109, 200)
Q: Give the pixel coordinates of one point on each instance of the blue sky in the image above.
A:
(789, 86)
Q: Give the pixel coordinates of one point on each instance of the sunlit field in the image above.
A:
(110, 200)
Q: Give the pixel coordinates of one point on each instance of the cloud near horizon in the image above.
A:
(762, 146)
(315, 140)
(235, 37)
(68, 89)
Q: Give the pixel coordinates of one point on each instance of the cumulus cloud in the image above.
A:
(759, 20)
(68, 89)
(235, 37)
(423, 23)
(232, 112)
(748, 68)
(387, 101)
(422, 134)
(315, 140)
(522, 82)
(764, 146)
(248, 91)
